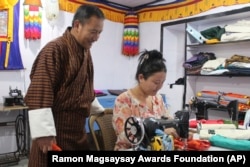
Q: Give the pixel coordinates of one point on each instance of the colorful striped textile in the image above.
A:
(32, 19)
(131, 35)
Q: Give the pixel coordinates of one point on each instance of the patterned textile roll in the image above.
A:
(131, 35)
(220, 141)
(229, 133)
(208, 94)
(32, 19)
(216, 126)
(240, 100)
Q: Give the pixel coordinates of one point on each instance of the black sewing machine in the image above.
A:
(140, 132)
(202, 107)
(15, 98)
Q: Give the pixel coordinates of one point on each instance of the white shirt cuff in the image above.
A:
(41, 123)
(96, 107)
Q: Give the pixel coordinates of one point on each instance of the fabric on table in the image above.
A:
(193, 123)
(229, 133)
(234, 144)
(217, 126)
(116, 91)
(99, 93)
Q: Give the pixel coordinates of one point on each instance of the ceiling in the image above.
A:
(138, 3)
(131, 3)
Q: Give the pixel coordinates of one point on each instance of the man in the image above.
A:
(61, 89)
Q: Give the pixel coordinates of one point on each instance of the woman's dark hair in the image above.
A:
(150, 62)
(84, 12)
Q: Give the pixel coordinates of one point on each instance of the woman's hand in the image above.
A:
(171, 131)
(190, 135)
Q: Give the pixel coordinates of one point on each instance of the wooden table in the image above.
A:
(21, 124)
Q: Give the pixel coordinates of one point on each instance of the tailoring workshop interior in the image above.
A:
(205, 44)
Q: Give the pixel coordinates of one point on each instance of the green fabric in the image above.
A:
(227, 121)
(213, 32)
(232, 122)
(234, 144)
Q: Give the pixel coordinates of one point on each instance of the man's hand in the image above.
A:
(45, 143)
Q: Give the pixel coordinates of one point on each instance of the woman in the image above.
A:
(142, 100)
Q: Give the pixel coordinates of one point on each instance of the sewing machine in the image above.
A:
(140, 132)
(15, 98)
(202, 105)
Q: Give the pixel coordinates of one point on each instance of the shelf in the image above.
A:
(184, 45)
(225, 75)
(219, 43)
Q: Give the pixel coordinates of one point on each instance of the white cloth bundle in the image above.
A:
(212, 65)
(229, 133)
(240, 26)
(216, 126)
(235, 36)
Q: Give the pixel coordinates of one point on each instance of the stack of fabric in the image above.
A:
(227, 137)
(194, 64)
(236, 31)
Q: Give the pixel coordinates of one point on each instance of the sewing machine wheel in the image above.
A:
(134, 130)
(20, 134)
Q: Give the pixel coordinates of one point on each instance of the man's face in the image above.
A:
(89, 32)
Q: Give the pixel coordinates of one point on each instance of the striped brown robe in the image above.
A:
(62, 79)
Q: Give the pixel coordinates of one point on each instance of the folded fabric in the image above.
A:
(192, 145)
(116, 91)
(215, 72)
(235, 36)
(207, 93)
(213, 32)
(239, 26)
(99, 93)
(216, 126)
(229, 133)
(211, 65)
(193, 123)
(240, 64)
(234, 144)
(237, 58)
(240, 100)
(197, 60)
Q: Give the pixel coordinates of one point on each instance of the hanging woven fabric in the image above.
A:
(131, 35)
(52, 11)
(32, 19)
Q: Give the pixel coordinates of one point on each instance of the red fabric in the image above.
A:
(193, 123)
(192, 145)
(56, 148)
(33, 8)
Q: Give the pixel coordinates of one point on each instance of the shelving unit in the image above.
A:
(178, 45)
